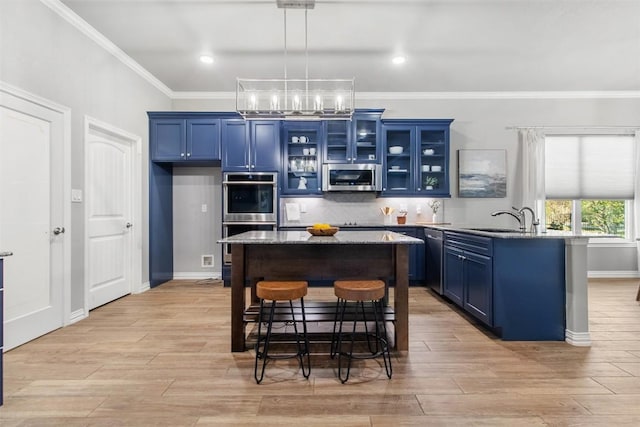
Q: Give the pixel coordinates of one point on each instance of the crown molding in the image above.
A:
(84, 27)
(408, 96)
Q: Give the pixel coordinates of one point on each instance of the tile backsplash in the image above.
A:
(360, 208)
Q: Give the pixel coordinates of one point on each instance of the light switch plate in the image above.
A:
(76, 195)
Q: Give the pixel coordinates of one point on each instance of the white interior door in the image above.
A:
(31, 184)
(110, 217)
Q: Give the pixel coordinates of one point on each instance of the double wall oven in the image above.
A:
(250, 203)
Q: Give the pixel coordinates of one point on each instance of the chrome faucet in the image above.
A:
(534, 221)
(517, 215)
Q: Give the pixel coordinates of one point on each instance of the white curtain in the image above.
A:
(636, 198)
(531, 145)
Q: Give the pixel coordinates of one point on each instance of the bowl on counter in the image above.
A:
(323, 231)
(396, 149)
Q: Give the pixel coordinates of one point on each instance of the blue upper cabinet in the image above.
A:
(182, 137)
(302, 160)
(353, 141)
(203, 139)
(416, 157)
(251, 146)
(235, 145)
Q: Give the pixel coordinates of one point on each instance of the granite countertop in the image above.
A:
(506, 233)
(357, 225)
(303, 237)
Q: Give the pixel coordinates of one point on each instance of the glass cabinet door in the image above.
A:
(398, 154)
(302, 157)
(365, 140)
(337, 146)
(433, 159)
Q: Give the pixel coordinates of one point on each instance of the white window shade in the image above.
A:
(589, 167)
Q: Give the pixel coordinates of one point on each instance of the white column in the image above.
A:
(577, 311)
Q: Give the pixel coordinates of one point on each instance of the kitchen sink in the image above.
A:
(495, 230)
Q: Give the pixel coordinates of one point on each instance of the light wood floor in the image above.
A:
(162, 358)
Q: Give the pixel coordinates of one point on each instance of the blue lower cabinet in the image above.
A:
(514, 286)
(453, 274)
(529, 289)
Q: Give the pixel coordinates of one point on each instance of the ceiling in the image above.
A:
(450, 45)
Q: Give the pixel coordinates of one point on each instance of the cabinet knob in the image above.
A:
(181, 154)
(188, 154)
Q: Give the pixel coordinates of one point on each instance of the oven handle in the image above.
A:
(249, 223)
(249, 182)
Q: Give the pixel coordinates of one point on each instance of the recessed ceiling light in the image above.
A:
(206, 59)
(399, 59)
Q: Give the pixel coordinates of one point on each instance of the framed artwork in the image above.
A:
(482, 173)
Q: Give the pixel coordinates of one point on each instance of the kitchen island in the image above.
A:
(278, 255)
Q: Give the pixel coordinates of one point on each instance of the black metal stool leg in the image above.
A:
(334, 335)
(381, 336)
(300, 349)
(263, 355)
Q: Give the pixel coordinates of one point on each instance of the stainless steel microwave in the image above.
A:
(351, 177)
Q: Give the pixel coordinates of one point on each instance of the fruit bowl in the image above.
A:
(323, 231)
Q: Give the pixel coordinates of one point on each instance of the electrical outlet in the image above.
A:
(418, 209)
(204, 207)
(207, 260)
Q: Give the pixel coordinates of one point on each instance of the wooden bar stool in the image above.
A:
(358, 292)
(275, 291)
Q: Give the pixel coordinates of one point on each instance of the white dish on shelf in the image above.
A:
(428, 151)
(395, 167)
(436, 168)
(397, 170)
(396, 149)
(398, 188)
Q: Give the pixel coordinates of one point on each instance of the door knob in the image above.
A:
(129, 225)
(58, 230)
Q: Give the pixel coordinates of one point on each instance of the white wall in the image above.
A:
(43, 54)
(195, 232)
(482, 123)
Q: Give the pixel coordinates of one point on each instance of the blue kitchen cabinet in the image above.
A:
(353, 141)
(252, 146)
(302, 158)
(181, 139)
(235, 147)
(453, 273)
(468, 268)
(416, 157)
(514, 286)
(176, 139)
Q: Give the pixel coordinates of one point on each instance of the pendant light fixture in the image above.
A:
(295, 99)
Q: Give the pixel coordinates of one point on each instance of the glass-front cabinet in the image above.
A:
(416, 157)
(302, 158)
(353, 141)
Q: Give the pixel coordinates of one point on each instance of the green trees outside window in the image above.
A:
(596, 216)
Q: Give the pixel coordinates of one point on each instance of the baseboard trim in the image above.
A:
(579, 339)
(143, 288)
(77, 316)
(606, 274)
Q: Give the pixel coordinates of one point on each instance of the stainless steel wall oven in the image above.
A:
(250, 197)
(250, 203)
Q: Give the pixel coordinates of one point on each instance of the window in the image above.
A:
(589, 183)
